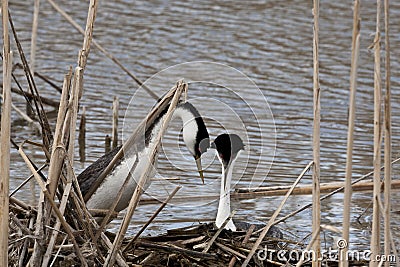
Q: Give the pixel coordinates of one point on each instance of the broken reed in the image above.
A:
(115, 108)
(35, 23)
(82, 136)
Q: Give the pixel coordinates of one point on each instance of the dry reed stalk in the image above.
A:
(35, 23)
(71, 178)
(25, 247)
(107, 144)
(212, 240)
(355, 48)
(314, 237)
(33, 53)
(388, 137)
(76, 91)
(176, 250)
(389, 237)
(245, 240)
(307, 190)
(83, 216)
(316, 210)
(26, 181)
(152, 218)
(58, 251)
(54, 206)
(229, 250)
(57, 156)
(115, 108)
(332, 193)
(375, 238)
(21, 204)
(88, 35)
(77, 85)
(76, 88)
(28, 97)
(55, 167)
(82, 136)
(5, 132)
(120, 260)
(25, 116)
(261, 188)
(44, 123)
(329, 188)
(144, 177)
(56, 228)
(103, 50)
(117, 198)
(36, 258)
(68, 125)
(49, 82)
(272, 220)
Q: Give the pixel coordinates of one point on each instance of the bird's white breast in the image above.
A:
(107, 192)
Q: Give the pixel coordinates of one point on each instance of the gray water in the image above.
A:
(269, 42)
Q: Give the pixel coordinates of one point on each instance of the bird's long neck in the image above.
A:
(190, 126)
(224, 207)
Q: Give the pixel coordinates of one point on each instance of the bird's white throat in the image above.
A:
(224, 206)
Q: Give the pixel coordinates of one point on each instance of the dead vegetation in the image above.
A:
(60, 231)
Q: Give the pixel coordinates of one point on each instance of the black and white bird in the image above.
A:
(195, 137)
(228, 147)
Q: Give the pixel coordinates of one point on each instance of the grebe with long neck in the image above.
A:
(228, 147)
(195, 137)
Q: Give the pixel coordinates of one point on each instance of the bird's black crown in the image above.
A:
(228, 146)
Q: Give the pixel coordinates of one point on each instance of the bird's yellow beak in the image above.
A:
(199, 168)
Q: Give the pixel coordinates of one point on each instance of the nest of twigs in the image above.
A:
(197, 245)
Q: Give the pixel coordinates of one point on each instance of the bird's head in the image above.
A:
(228, 146)
(195, 134)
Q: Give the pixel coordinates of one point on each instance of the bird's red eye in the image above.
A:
(221, 155)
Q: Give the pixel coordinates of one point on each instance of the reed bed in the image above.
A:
(61, 231)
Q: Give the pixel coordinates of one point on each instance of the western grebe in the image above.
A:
(195, 137)
(228, 147)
